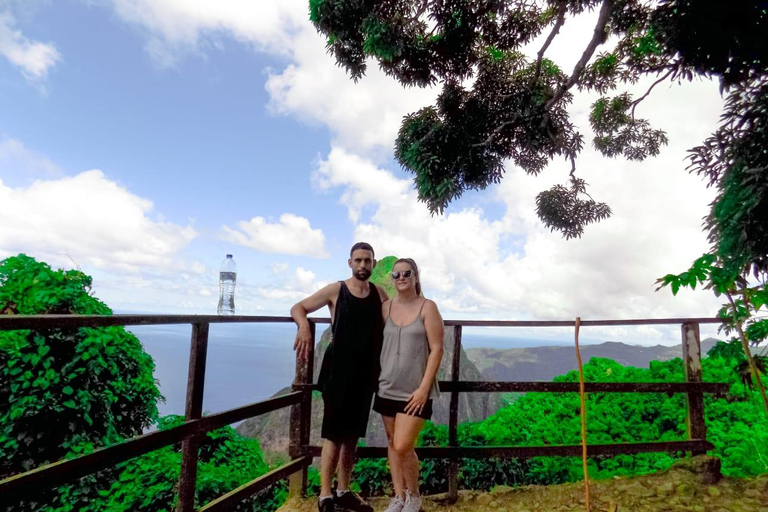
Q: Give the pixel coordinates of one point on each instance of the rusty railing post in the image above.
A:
(198, 354)
(696, 427)
(301, 416)
(453, 418)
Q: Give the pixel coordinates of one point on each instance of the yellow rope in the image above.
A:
(583, 419)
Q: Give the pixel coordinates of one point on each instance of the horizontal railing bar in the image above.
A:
(13, 322)
(236, 496)
(464, 386)
(9, 322)
(220, 419)
(584, 323)
(589, 387)
(526, 452)
(68, 470)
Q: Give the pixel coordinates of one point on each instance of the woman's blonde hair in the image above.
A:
(415, 269)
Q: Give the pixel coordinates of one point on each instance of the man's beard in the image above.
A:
(362, 274)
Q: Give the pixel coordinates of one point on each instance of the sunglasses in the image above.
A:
(405, 274)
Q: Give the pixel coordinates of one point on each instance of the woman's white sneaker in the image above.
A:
(396, 504)
(412, 503)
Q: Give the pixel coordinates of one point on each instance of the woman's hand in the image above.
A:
(417, 401)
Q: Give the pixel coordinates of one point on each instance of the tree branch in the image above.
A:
(641, 98)
(597, 40)
(555, 30)
(495, 133)
(421, 10)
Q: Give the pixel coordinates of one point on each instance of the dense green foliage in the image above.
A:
(498, 104)
(70, 391)
(95, 385)
(227, 460)
(735, 424)
(381, 274)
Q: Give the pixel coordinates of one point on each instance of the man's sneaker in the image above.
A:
(396, 504)
(351, 502)
(412, 503)
(326, 505)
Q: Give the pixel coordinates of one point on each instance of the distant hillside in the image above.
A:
(545, 363)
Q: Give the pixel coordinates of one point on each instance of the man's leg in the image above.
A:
(329, 459)
(347, 500)
(347, 462)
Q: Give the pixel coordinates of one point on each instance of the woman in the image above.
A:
(410, 357)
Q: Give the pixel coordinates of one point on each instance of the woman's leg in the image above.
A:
(407, 430)
(398, 484)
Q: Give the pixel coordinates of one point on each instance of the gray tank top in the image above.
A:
(404, 354)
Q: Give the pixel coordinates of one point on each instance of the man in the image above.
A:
(349, 372)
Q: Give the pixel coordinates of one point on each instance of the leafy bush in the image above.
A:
(95, 385)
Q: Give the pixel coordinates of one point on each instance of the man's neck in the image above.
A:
(358, 285)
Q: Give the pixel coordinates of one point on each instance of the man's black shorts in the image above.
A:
(387, 407)
(347, 419)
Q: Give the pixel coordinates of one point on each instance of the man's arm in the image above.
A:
(300, 310)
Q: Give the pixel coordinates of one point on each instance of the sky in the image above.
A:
(142, 140)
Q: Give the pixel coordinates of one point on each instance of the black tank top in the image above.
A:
(352, 358)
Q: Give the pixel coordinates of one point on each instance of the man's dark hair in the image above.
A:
(362, 245)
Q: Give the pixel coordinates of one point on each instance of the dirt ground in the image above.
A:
(694, 485)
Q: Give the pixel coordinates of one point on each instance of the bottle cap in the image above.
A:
(229, 255)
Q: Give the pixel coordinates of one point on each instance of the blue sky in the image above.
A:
(144, 139)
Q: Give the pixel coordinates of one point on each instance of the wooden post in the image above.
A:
(198, 354)
(697, 429)
(453, 418)
(301, 416)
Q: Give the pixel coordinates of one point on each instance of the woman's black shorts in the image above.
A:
(387, 407)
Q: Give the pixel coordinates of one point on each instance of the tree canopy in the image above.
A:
(499, 105)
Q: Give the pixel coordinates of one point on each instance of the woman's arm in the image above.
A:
(433, 323)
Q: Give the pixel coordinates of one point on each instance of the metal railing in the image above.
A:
(300, 399)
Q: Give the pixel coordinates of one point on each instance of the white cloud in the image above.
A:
(178, 27)
(290, 235)
(91, 219)
(364, 115)
(33, 58)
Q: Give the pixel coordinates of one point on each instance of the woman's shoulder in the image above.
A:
(429, 308)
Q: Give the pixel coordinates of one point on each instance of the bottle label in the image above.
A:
(228, 276)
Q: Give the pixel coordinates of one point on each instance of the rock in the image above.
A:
(713, 491)
(665, 488)
(483, 499)
(494, 504)
(501, 489)
(706, 467)
(685, 489)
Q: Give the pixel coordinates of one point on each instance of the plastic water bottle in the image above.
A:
(227, 278)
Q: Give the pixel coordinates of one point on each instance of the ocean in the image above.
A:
(249, 362)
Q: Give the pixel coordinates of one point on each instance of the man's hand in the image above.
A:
(416, 402)
(303, 342)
